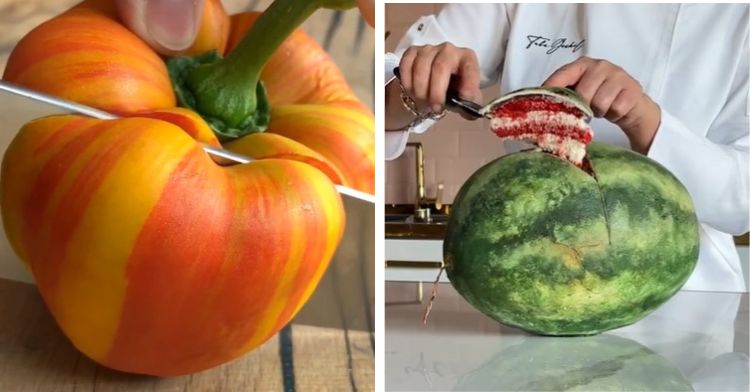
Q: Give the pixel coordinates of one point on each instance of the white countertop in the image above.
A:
(697, 339)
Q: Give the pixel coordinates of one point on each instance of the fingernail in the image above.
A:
(437, 108)
(172, 23)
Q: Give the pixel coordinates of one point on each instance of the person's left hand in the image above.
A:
(168, 26)
(613, 94)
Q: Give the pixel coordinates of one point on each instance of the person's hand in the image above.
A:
(427, 72)
(168, 26)
(613, 94)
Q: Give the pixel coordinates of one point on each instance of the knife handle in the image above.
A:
(452, 100)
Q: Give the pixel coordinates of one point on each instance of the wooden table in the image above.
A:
(36, 356)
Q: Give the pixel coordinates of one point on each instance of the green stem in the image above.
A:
(228, 93)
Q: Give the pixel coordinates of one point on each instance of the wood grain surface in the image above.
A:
(36, 356)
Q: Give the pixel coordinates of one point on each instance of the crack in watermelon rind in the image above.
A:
(590, 166)
(627, 268)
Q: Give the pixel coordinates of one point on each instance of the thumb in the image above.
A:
(168, 26)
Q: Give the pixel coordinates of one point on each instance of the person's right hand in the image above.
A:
(427, 72)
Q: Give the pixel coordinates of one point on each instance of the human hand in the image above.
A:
(168, 26)
(427, 72)
(613, 94)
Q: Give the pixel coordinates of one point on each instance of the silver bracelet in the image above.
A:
(419, 117)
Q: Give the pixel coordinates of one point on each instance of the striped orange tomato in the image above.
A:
(152, 258)
(87, 56)
(266, 145)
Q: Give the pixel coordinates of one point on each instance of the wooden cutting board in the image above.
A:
(36, 356)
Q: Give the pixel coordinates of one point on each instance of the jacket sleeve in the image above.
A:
(484, 28)
(714, 168)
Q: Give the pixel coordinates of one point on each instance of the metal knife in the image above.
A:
(345, 296)
(452, 100)
(66, 106)
(473, 109)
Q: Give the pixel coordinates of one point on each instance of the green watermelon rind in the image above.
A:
(538, 244)
(561, 94)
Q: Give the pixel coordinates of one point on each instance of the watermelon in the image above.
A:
(537, 243)
(593, 363)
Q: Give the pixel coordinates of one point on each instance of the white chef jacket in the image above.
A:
(692, 59)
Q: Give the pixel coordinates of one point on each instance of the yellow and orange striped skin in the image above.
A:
(265, 145)
(152, 258)
(319, 110)
(187, 270)
(317, 79)
(87, 56)
(213, 31)
(190, 122)
(341, 132)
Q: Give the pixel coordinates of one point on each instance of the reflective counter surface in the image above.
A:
(697, 340)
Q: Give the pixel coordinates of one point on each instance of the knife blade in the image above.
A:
(68, 106)
(344, 298)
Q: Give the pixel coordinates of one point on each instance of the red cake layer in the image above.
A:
(519, 107)
(552, 125)
(544, 128)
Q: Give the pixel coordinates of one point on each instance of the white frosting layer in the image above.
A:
(562, 146)
(540, 117)
(568, 148)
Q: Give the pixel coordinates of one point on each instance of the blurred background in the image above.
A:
(454, 148)
(344, 34)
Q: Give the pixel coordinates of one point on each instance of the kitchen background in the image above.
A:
(454, 148)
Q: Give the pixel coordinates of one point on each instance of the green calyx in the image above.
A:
(227, 92)
(225, 127)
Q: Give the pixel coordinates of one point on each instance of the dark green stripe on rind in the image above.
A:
(536, 243)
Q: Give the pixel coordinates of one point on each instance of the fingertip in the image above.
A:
(554, 81)
(167, 26)
(173, 24)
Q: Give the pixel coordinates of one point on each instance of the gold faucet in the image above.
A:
(422, 204)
